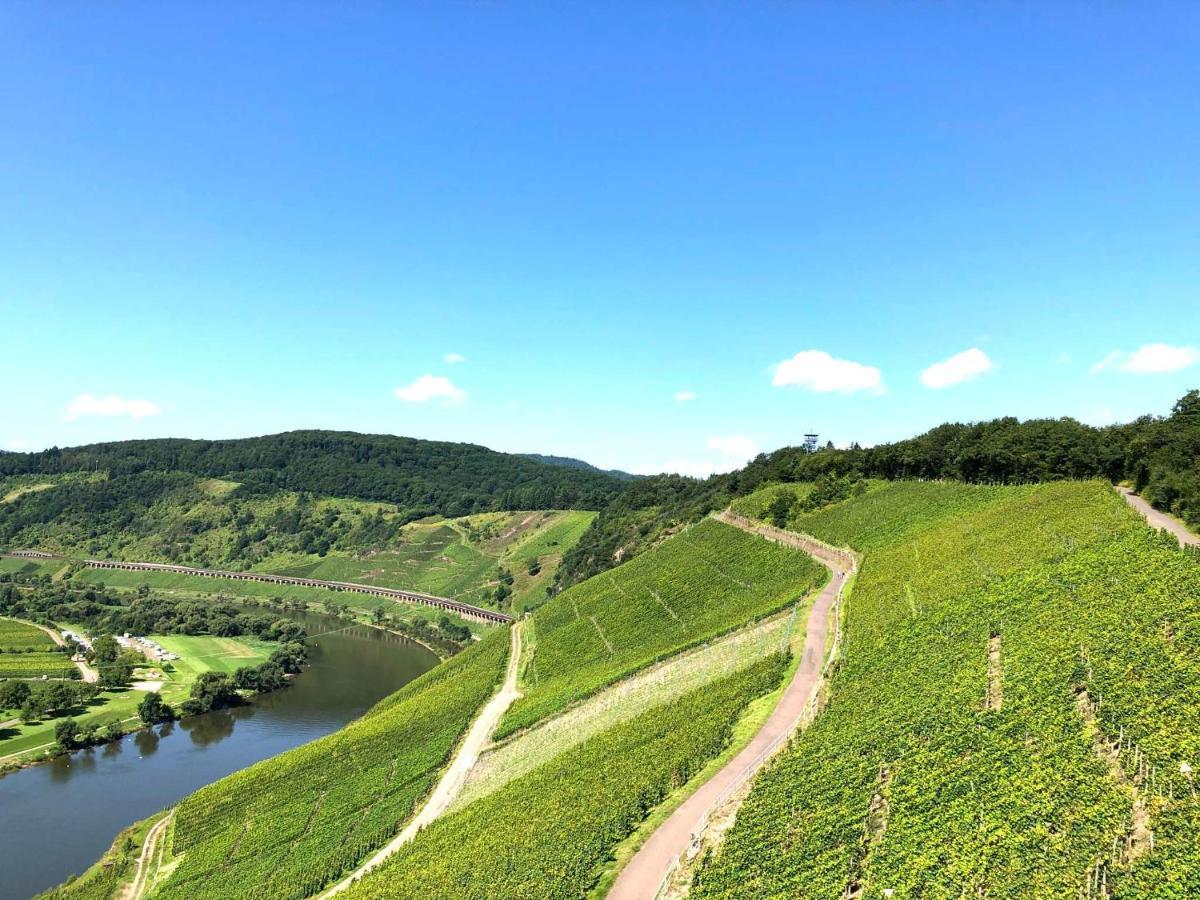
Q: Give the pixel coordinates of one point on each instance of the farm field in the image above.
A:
(705, 581)
(456, 558)
(985, 735)
(22, 636)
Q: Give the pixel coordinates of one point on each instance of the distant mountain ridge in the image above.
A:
(570, 462)
(421, 477)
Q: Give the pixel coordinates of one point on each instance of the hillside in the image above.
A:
(506, 559)
(1015, 715)
(346, 795)
(1159, 456)
(419, 477)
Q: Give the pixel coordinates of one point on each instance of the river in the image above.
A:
(59, 817)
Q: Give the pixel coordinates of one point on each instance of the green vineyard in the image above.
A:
(1017, 712)
(703, 582)
(546, 833)
(288, 826)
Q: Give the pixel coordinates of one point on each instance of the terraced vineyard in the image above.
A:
(28, 652)
(22, 637)
(703, 582)
(546, 833)
(290, 825)
(1017, 713)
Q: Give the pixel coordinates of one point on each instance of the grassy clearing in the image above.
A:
(203, 653)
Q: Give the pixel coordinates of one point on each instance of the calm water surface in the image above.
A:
(58, 818)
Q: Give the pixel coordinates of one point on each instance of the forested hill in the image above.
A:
(1160, 456)
(420, 477)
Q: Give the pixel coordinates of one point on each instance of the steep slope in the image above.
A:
(703, 582)
(291, 825)
(1016, 713)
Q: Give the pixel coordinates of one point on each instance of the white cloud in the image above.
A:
(1105, 363)
(958, 368)
(109, 405)
(453, 359)
(1150, 359)
(1154, 359)
(432, 387)
(685, 396)
(732, 452)
(21, 445)
(817, 371)
(734, 446)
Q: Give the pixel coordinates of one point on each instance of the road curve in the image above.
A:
(455, 777)
(642, 876)
(1160, 520)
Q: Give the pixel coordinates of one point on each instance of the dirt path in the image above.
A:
(90, 675)
(455, 777)
(141, 880)
(1160, 520)
(645, 872)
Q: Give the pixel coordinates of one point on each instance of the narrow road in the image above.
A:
(1160, 520)
(645, 872)
(455, 777)
(141, 879)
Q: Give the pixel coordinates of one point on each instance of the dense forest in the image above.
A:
(420, 477)
(1160, 456)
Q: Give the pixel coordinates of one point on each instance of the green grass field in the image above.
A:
(200, 653)
(203, 653)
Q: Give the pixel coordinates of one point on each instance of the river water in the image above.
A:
(59, 817)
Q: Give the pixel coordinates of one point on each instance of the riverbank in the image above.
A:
(79, 802)
(113, 712)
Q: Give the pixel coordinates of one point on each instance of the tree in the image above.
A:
(153, 709)
(66, 731)
(13, 694)
(105, 649)
(781, 509)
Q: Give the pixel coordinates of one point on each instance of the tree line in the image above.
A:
(1159, 456)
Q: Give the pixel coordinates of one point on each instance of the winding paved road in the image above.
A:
(645, 872)
(1160, 520)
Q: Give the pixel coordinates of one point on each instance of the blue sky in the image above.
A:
(220, 221)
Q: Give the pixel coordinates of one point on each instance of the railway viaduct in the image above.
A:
(475, 613)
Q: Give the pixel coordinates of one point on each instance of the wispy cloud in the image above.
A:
(1150, 359)
(432, 387)
(110, 405)
(453, 359)
(817, 371)
(958, 368)
(732, 451)
(685, 396)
